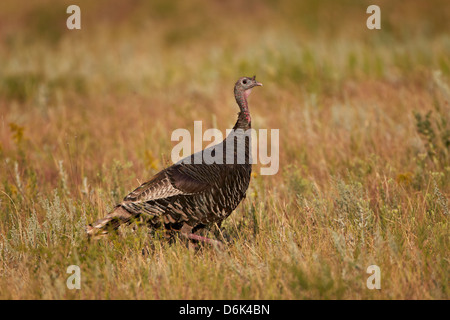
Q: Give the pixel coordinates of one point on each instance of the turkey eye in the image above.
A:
(244, 81)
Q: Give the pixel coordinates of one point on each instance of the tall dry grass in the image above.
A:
(85, 116)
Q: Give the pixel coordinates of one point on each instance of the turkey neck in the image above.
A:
(244, 120)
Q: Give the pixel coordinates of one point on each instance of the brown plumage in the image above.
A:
(189, 196)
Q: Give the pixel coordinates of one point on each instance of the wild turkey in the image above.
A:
(190, 196)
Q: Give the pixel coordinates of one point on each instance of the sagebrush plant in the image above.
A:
(434, 127)
(86, 116)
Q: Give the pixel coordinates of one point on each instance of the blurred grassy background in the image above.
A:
(364, 119)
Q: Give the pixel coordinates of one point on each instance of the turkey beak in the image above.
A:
(258, 84)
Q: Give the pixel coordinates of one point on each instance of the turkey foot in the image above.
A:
(215, 243)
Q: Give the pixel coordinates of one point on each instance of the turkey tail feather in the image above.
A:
(112, 221)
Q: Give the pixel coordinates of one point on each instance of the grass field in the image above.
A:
(364, 119)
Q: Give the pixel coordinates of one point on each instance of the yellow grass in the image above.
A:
(87, 115)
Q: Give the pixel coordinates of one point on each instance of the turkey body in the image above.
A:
(186, 193)
(200, 190)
